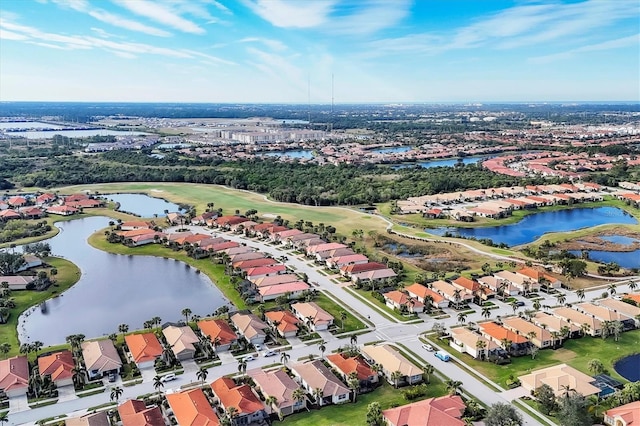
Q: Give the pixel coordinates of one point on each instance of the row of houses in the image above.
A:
(20, 207)
(516, 335)
(631, 197)
(516, 197)
(461, 290)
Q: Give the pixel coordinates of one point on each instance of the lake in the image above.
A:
(626, 259)
(143, 205)
(297, 153)
(27, 125)
(392, 150)
(114, 289)
(534, 226)
(449, 162)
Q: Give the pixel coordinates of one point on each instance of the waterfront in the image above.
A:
(114, 289)
(297, 153)
(143, 205)
(534, 226)
(449, 162)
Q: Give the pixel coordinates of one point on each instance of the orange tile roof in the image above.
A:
(14, 373)
(192, 408)
(143, 347)
(58, 365)
(635, 297)
(401, 298)
(239, 396)
(422, 291)
(445, 410)
(629, 413)
(352, 364)
(287, 321)
(499, 332)
(135, 413)
(219, 329)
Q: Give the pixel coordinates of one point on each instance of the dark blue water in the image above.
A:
(143, 205)
(626, 259)
(629, 367)
(115, 289)
(442, 163)
(536, 225)
(298, 153)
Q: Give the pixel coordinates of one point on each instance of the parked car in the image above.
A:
(427, 347)
(258, 347)
(269, 352)
(112, 377)
(248, 358)
(168, 377)
(442, 356)
(520, 303)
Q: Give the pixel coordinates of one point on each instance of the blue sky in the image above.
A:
(288, 50)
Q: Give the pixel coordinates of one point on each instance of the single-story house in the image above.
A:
(500, 335)
(396, 300)
(559, 377)
(376, 275)
(312, 315)
(135, 412)
(422, 293)
(250, 326)
(624, 415)
(537, 335)
(293, 289)
(192, 407)
(466, 341)
(445, 410)
(14, 376)
(144, 349)
(287, 323)
(593, 325)
(249, 408)
(391, 360)
(17, 282)
(182, 340)
(99, 418)
(280, 385)
(346, 365)
(100, 358)
(315, 375)
(221, 334)
(58, 366)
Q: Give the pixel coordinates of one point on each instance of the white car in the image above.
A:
(427, 347)
(168, 377)
(269, 352)
(248, 358)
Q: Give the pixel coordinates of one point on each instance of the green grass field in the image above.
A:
(350, 324)
(353, 414)
(68, 275)
(575, 352)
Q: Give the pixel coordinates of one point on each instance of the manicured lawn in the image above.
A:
(68, 275)
(344, 219)
(350, 324)
(366, 294)
(356, 413)
(575, 352)
(214, 271)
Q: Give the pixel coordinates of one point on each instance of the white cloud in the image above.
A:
(278, 67)
(128, 24)
(10, 35)
(292, 13)
(618, 43)
(270, 43)
(161, 14)
(370, 16)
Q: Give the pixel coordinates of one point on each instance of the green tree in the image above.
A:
(546, 399)
(428, 370)
(573, 410)
(596, 366)
(202, 373)
(374, 415)
(158, 384)
(116, 393)
(395, 377)
(186, 312)
(501, 414)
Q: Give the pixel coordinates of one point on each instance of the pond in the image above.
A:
(450, 162)
(626, 259)
(296, 153)
(143, 205)
(35, 134)
(115, 289)
(534, 226)
(629, 367)
(619, 239)
(392, 150)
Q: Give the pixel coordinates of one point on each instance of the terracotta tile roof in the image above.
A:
(9, 214)
(363, 267)
(401, 298)
(445, 410)
(58, 365)
(354, 364)
(249, 325)
(180, 338)
(192, 408)
(275, 280)
(317, 375)
(466, 283)
(239, 396)
(558, 377)
(390, 359)
(92, 419)
(311, 309)
(498, 332)
(288, 321)
(218, 328)
(253, 263)
(628, 413)
(292, 287)
(14, 373)
(276, 383)
(135, 413)
(100, 355)
(143, 347)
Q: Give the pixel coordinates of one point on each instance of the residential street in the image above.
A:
(381, 327)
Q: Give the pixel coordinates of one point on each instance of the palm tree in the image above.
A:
(202, 373)
(395, 377)
(354, 384)
(612, 289)
(462, 317)
(453, 386)
(5, 348)
(271, 402)
(157, 384)
(186, 312)
(156, 321)
(122, 329)
(242, 366)
(486, 312)
(585, 328)
(343, 318)
(536, 305)
(78, 375)
(561, 298)
(232, 412)
(555, 336)
(284, 358)
(633, 285)
(354, 340)
(514, 305)
(299, 395)
(506, 344)
(596, 366)
(428, 370)
(322, 347)
(116, 393)
(4, 417)
(37, 345)
(580, 294)
(616, 329)
(317, 395)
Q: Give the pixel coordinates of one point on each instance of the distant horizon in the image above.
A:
(310, 52)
